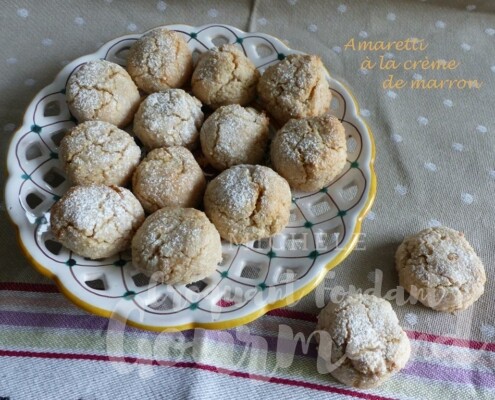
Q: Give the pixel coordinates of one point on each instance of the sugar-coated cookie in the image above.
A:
(360, 341)
(177, 246)
(104, 91)
(248, 202)
(160, 60)
(96, 221)
(295, 87)
(169, 118)
(169, 176)
(99, 152)
(440, 268)
(234, 135)
(310, 152)
(224, 75)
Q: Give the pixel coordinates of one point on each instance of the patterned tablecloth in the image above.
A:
(435, 165)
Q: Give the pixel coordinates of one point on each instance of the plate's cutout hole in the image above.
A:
(58, 136)
(263, 51)
(351, 144)
(52, 109)
(197, 287)
(296, 241)
(229, 299)
(287, 275)
(334, 104)
(53, 247)
(251, 272)
(295, 215)
(141, 280)
(33, 200)
(262, 243)
(349, 192)
(195, 56)
(328, 239)
(219, 40)
(94, 259)
(33, 151)
(163, 303)
(122, 53)
(96, 284)
(320, 208)
(54, 178)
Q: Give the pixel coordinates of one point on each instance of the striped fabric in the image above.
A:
(73, 354)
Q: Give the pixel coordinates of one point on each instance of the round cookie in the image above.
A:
(167, 177)
(295, 88)
(169, 118)
(160, 60)
(96, 221)
(224, 75)
(310, 152)
(440, 268)
(360, 341)
(248, 202)
(99, 152)
(234, 135)
(104, 91)
(177, 246)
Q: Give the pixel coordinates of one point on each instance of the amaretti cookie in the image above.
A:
(234, 135)
(295, 87)
(224, 75)
(99, 152)
(360, 341)
(440, 268)
(177, 246)
(248, 202)
(96, 221)
(309, 152)
(104, 91)
(169, 176)
(169, 118)
(160, 60)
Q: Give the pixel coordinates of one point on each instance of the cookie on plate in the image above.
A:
(224, 75)
(234, 135)
(310, 152)
(160, 60)
(440, 268)
(104, 91)
(169, 176)
(177, 246)
(169, 118)
(360, 341)
(99, 152)
(96, 221)
(248, 202)
(295, 87)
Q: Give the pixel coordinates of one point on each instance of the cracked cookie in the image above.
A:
(440, 268)
(169, 118)
(224, 75)
(234, 135)
(177, 246)
(309, 152)
(104, 91)
(96, 221)
(169, 176)
(160, 60)
(99, 152)
(360, 341)
(248, 202)
(295, 87)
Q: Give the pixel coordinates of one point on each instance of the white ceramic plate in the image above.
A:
(253, 278)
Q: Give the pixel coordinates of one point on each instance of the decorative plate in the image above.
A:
(252, 279)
